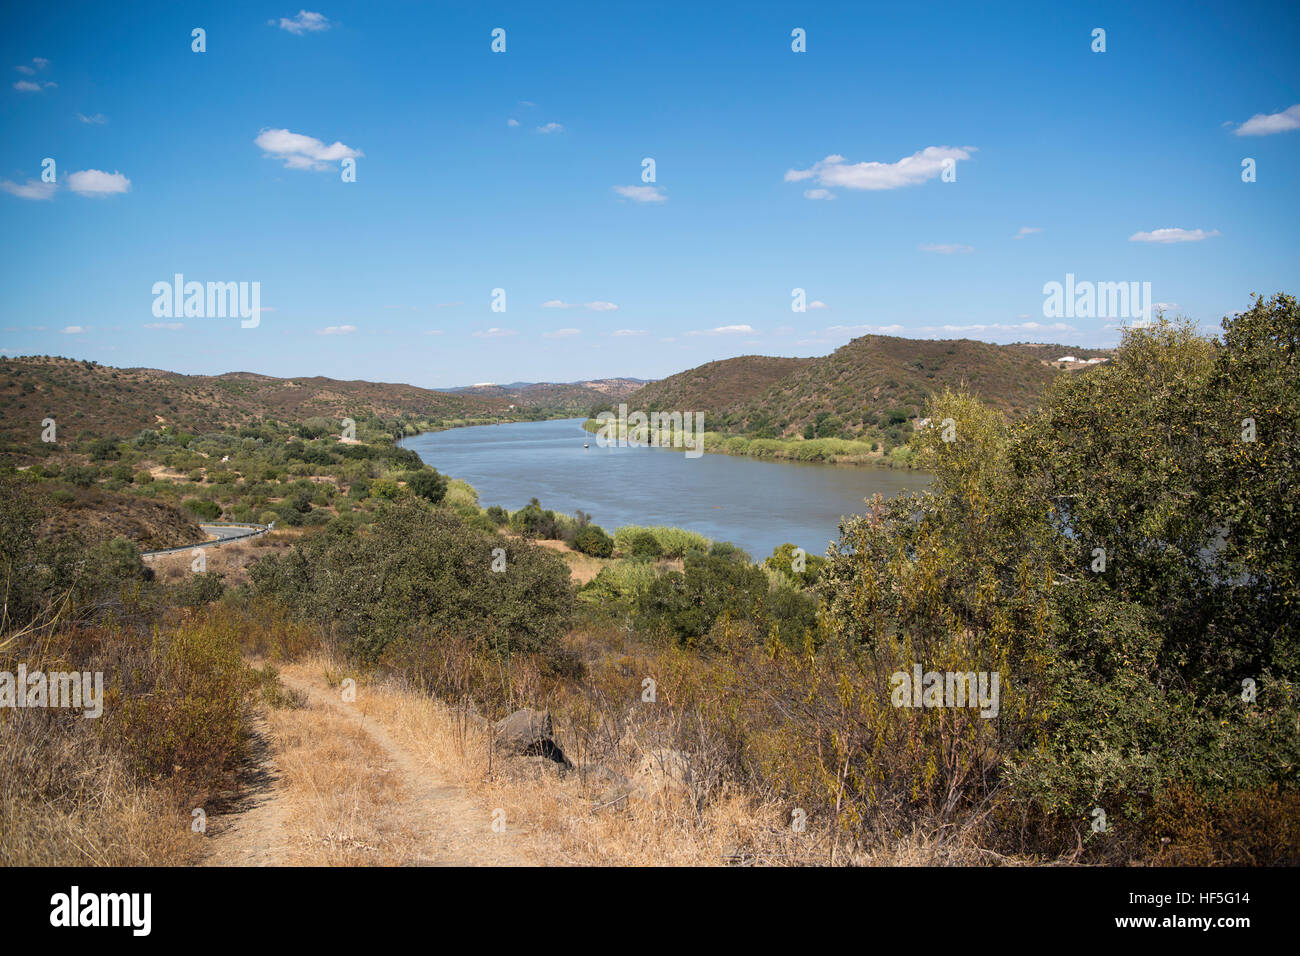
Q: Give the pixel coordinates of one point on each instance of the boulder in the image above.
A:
(666, 772)
(528, 733)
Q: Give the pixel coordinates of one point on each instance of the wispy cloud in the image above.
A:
(818, 194)
(833, 172)
(818, 304)
(947, 248)
(32, 189)
(1266, 124)
(726, 330)
(31, 86)
(559, 304)
(302, 152)
(337, 330)
(168, 326)
(99, 119)
(1027, 231)
(1172, 235)
(304, 22)
(493, 333)
(74, 329)
(641, 193)
(512, 122)
(600, 307)
(94, 182)
(625, 333)
(551, 128)
(562, 333)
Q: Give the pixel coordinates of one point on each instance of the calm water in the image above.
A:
(755, 504)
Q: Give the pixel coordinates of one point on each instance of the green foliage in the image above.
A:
(428, 484)
(593, 540)
(783, 559)
(1121, 678)
(201, 508)
(419, 573)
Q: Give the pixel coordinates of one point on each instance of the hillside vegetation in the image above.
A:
(869, 389)
(86, 397)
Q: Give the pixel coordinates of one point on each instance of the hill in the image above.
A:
(86, 397)
(870, 387)
(717, 388)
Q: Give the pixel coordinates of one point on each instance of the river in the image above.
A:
(755, 504)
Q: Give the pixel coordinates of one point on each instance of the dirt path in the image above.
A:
(333, 786)
(251, 831)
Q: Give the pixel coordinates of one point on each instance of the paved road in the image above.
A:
(221, 534)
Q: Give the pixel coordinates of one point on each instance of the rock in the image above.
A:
(666, 772)
(528, 733)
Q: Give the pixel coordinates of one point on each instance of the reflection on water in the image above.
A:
(755, 504)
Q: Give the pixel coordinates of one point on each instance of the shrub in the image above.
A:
(200, 508)
(594, 541)
(428, 484)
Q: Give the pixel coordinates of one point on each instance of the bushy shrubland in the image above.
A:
(423, 573)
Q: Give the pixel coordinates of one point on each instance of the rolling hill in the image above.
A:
(83, 396)
(873, 383)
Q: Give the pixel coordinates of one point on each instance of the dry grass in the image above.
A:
(572, 818)
(67, 801)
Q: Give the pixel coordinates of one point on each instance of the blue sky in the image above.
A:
(210, 170)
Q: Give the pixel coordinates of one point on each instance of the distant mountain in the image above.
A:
(83, 396)
(573, 396)
(869, 386)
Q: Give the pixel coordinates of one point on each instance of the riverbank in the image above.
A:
(822, 451)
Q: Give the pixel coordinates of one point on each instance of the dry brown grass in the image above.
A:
(66, 801)
(556, 819)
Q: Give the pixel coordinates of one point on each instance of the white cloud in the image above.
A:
(26, 70)
(494, 333)
(818, 194)
(337, 330)
(947, 248)
(551, 128)
(74, 330)
(99, 119)
(558, 304)
(1172, 235)
(41, 62)
(818, 304)
(304, 22)
(839, 330)
(434, 332)
(601, 307)
(512, 122)
(624, 333)
(561, 333)
(641, 193)
(911, 170)
(302, 152)
(1002, 327)
(1265, 124)
(94, 182)
(169, 326)
(1027, 231)
(27, 86)
(727, 330)
(33, 189)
